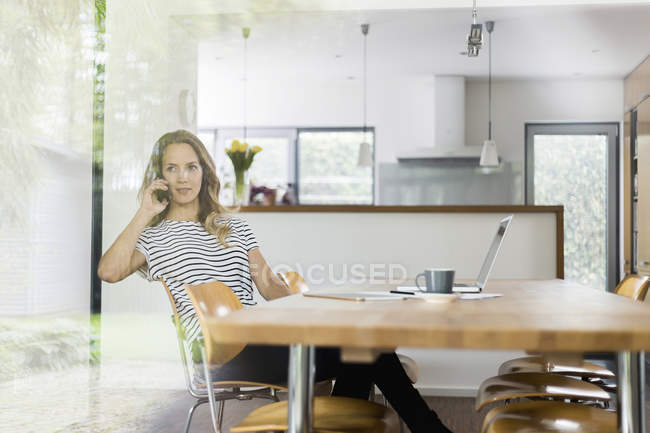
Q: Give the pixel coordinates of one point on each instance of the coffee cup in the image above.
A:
(436, 280)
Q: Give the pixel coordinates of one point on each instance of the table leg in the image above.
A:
(631, 396)
(301, 388)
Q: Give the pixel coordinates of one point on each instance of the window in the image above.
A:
(327, 167)
(575, 165)
(319, 164)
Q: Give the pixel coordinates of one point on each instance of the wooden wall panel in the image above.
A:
(637, 84)
(627, 195)
(643, 179)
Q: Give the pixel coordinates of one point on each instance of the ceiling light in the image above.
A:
(474, 38)
(365, 153)
(489, 155)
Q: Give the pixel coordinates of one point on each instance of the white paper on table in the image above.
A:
(480, 295)
(466, 296)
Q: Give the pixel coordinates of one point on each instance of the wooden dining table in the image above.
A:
(554, 317)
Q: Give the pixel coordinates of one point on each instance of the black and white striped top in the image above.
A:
(183, 252)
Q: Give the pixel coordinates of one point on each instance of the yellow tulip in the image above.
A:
(244, 147)
(256, 149)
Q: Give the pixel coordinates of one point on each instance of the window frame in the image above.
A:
(221, 134)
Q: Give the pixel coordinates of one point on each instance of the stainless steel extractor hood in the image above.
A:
(449, 146)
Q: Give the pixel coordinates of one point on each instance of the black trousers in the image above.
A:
(269, 364)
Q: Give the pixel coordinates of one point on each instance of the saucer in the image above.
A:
(438, 298)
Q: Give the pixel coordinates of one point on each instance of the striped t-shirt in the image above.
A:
(183, 252)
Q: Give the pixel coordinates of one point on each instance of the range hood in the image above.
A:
(449, 146)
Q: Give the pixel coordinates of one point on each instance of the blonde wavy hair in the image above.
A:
(209, 206)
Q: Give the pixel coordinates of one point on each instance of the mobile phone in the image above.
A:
(161, 195)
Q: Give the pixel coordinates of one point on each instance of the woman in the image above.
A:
(183, 235)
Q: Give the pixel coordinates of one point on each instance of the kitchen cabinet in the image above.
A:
(636, 171)
(642, 188)
(627, 194)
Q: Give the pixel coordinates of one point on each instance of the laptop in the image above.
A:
(488, 262)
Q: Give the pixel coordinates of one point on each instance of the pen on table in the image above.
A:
(399, 292)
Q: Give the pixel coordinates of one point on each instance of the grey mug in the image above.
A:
(436, 280)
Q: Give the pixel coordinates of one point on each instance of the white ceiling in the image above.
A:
(528, 42)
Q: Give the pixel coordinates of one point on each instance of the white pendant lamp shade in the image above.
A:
(489, 155)
(365, 155)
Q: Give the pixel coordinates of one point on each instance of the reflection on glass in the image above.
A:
(328, 171)
(571, 170)
(46, 133)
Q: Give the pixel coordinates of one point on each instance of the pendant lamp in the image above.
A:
(365, 154)
(489, 155)
(474, 38)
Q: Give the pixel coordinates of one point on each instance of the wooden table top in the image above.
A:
(540, 315)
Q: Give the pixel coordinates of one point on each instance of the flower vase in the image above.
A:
(242, 188)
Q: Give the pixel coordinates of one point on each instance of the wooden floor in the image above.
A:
(456, 413)
(147, 397)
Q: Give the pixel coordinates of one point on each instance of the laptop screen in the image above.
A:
(492, 253)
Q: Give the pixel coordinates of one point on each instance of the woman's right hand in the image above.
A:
(122, 258)
(150, 203)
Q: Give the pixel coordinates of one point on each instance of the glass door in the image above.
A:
(576, 165)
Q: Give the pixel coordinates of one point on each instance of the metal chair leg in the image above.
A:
(208, 383)
(191, 413)
(274, 394)
(222, 404)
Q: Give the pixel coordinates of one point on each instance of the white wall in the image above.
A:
(314, 243)
(401, 108)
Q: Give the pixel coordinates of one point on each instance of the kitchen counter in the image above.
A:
(399, 209)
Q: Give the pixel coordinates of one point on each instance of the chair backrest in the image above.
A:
(525, 385)
(634, 287)
(214, 299)
(295, 281)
